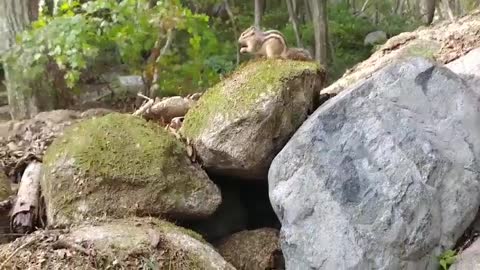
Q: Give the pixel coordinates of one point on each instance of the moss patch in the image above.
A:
(242, 90)
(423, 49)
(120, 164)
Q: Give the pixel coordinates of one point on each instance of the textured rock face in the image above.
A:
(468, 67)
(382, 176)
(254, 250)
(126, 244)
(239, 125)
(119, 165)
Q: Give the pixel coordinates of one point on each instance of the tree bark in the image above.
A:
(448, 9)
(25, 215)
(320, 26)
(258, 13)
(15, 17)
(429, 10)
(294, 19)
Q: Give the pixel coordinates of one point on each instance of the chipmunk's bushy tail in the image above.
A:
(299, 54)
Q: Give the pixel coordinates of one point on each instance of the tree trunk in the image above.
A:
(258, 13)
(448, 8)
(429, 10)
(320, 26)
(293, 18)
(15, 16)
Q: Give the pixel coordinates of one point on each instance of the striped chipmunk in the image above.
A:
(270, 44)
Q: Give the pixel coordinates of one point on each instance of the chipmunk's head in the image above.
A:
(247, 39)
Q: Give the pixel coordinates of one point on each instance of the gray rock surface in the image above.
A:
(469, 259)
(382, 176)
(468, 67)
(375, 38)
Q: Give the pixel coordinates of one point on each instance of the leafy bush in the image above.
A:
(82, 33)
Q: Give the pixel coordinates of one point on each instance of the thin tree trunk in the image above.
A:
(365, 5)
(430, 10)
(258, 13)
(15, 16)
(320, 26)
(448, 8)
(234, 26)
(293, 18)
(308, 13)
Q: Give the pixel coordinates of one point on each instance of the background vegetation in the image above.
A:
(187, 46)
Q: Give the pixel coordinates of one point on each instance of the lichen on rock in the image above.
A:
(120, 165)
(240, 124)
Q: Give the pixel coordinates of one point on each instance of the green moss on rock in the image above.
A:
(122, 165)
(237, 94)
(422, 48)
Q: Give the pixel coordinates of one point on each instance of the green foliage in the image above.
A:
(447, 258)
(81, 33)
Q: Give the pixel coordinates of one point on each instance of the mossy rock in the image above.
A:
(240, 124)
(119, 165)
(254, 250)
(116, 244)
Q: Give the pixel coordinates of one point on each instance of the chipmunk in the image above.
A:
(270, 44)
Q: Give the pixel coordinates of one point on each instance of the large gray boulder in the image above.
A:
(468, 67)
(382, 176)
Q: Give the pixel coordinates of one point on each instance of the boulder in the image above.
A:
(442, 42)
(468, 67)
(253, 250)
(120, 165)
(240, 124)
(468, 259)
(382, 176)
(131, 84)
(116, 244)
(375, 38)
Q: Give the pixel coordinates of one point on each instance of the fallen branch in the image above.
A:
(145, 107)
(25, 210)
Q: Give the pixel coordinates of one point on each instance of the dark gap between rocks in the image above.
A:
(245, 206)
